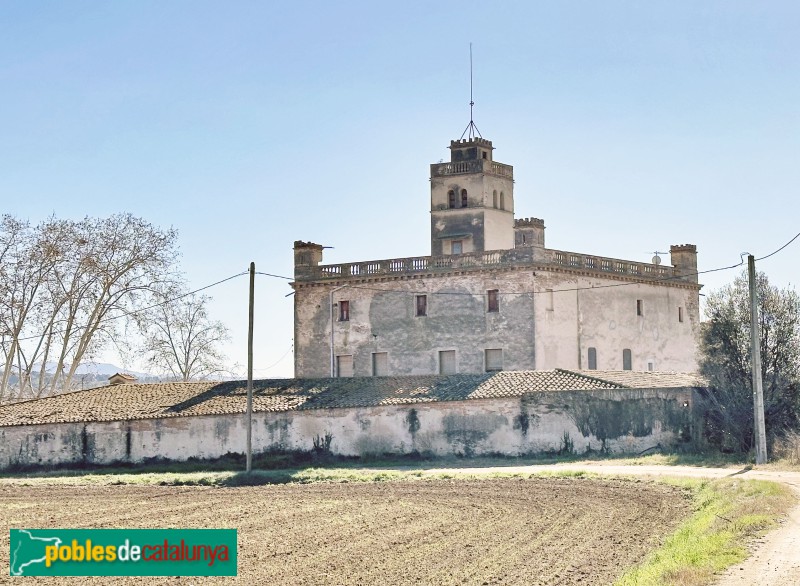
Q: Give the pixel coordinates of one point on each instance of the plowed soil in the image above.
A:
(494, 531)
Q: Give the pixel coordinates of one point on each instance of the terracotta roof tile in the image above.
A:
(161, 400)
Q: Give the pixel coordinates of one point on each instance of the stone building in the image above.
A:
(491, 296)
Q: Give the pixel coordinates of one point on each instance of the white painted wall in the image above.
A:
(509, 426)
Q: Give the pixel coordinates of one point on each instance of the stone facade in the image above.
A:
(491, 296)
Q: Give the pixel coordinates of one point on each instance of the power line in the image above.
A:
(141, 309)
(781, 248)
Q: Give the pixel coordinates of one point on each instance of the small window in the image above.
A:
(447, 362)
(502, 201)
(493, 300)
(421, 305)
(483, 153)
(549, 296)
(626, 359)
(464, 198)
(494, 199)
(639, 307)
(344, 311)
(494, 360)
(592, 358)
(680, 314)
(380, 363)
(451, 198)
(456, 247)
(344, 366)
(650, 366)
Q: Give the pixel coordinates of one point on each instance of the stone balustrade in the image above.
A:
(474, 166)
(493, 258)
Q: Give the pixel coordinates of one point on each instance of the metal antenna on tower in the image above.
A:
(471, 130)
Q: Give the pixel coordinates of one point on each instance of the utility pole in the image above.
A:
(755, 357)
(250, 368)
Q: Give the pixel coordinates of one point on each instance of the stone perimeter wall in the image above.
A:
(626, 421)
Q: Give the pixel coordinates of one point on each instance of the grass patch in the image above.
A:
(728, 513)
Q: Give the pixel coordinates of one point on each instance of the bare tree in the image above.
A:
(67, 286)
(182, 340)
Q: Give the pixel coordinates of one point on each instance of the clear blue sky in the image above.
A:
(248, 125)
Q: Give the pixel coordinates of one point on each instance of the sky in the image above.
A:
(631, 126)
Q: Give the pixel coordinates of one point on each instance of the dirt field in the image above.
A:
(500, 531)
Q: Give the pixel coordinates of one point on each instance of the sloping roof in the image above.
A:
(162, 400)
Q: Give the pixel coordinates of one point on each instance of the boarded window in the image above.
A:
(380, 363)
(494, 359)
(447, 362)
(422, 305)
(344, 365)
(626, 359)
(451, 198)
(493, 300)
(463, 198)
(639, 307)
(592, 358)
(456, 247)
(680, 314)
(344, 311)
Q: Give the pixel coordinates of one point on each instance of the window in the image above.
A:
(484, 154)
(592, 358)
(650, 366)
(493, 300)
(447, 362)
(680, 314)
(549, 296)
(456, 247)
(502, 201)
(421, 305)
(639, 307)
(494, 360)
(380, 363)
(494, 198)
(344, 366)
(344, 311)
(626, 359)
(463, 198)
(451, 198)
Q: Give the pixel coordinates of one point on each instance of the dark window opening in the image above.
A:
(451, 197)
(494, 198)
(639, 307)
(680, 314)
(502, 201)
(592, 358)
(422, 305)
(484, 154)
(456, 247)
(493, 300)
(463, 198)
(626, 359)
(344, 311)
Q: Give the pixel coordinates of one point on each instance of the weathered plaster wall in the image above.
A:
(535, 331)
(615, 420)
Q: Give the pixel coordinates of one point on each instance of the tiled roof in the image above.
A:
(161, 400)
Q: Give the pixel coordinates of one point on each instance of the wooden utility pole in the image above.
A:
(250, 368)
(755, 358)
